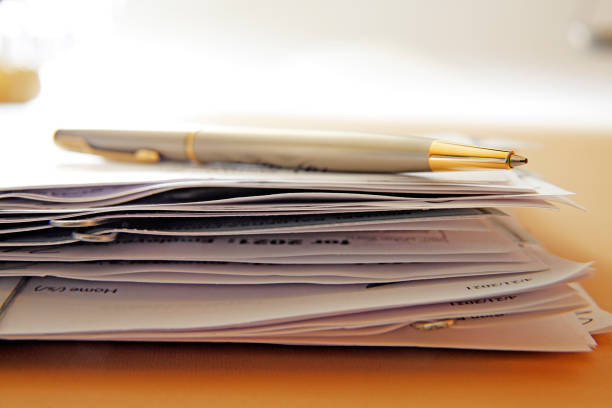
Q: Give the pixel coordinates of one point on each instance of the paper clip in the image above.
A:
(74, 223)
(94, 237)
(433, 324)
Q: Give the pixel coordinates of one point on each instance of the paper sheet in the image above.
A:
(534, 331)
(592, 317)
(46, 305)
(483, 311)
(245, 273)
(250, 248)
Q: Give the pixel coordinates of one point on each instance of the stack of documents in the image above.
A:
(97, 251)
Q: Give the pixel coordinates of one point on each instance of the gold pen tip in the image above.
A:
(516, 160)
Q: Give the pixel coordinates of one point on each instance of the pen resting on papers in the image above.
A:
(301, 149)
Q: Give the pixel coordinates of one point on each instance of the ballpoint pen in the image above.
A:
(298, 149)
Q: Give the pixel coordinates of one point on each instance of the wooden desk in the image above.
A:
(197, 375)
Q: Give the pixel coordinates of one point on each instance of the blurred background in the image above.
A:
(444, 62)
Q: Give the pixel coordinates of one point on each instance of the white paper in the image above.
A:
(47, 305)
(244, 273)
(548, 333)
(252, 247)
(557, 333)
(483, 311)
(593, 318)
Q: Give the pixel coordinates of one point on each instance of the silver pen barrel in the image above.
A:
(313, 150)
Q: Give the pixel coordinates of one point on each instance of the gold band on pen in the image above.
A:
(454, 156)
(190, 147)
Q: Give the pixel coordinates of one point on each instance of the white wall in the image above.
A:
(476, 61)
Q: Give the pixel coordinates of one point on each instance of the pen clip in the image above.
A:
(79, 144)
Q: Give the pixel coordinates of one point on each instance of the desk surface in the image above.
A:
(135, 374)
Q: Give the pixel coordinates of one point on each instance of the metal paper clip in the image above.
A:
(75, 223)
(433, 324)
(94, 237)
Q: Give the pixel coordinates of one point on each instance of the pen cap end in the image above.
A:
(70, 142)
(77, 143)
